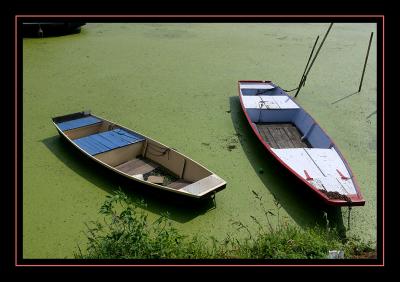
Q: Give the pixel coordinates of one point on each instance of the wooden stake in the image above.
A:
(302, 80)
(215, 202)
(316, 55)
(365, 63)
(348, 218)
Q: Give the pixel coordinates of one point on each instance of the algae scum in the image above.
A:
(177, 83)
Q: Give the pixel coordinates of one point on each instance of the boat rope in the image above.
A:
(349, 201)
(314, 162)
(342, 187)
(305, 74)
(260, 103)
(292, 89)
(161, 151)
(348, 218)
(371, 114)
(261, 92)
(213, 198)
(265, 91)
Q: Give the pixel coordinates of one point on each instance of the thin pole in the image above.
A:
(365, 63)
(215, 202)
(316, 55)
(302, 80)
(370, 115)
(348, 218)
(40, 31)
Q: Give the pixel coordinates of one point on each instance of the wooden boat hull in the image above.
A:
(298, 143)
(137, 157)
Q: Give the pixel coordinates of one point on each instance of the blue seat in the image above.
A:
(105, 141)
(76, 123)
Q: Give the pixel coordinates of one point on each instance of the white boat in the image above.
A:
(295, 139)
(137, 157)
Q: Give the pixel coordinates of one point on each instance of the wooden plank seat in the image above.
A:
(137, 166)
(264, 102)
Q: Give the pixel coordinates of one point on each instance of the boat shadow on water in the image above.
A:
(157, 201)
(300, 203)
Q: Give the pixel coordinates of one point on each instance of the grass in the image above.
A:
(126, 233)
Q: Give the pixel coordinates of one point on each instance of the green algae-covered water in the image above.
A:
(177, 83)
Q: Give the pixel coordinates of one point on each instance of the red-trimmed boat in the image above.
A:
(297, 141)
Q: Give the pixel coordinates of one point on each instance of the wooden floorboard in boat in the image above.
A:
(266, 135)
(281, 135)
(137, 166)
(178, 184)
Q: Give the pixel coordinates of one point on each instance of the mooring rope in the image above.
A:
(161, 150)
(291, 90)
(260, 103)
(261, 92)
(349, 201)
(348, 218)
(337, 195)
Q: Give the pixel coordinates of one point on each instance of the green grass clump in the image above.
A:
(290, 242)
(126, 233)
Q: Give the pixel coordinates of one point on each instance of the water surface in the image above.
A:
(177, 83)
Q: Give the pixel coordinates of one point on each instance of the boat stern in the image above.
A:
(205, 187)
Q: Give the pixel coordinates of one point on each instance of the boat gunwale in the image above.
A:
(166, 188)
(356, 199)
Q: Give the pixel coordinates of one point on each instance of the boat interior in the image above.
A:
(274, 114)
(134, 155)
(295, 137)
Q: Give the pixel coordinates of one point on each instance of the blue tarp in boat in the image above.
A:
(106, 141)
(76, 123)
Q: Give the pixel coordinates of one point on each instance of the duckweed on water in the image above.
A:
(122, 71)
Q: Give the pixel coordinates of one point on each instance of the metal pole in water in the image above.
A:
(316, 54)
(365, 63)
